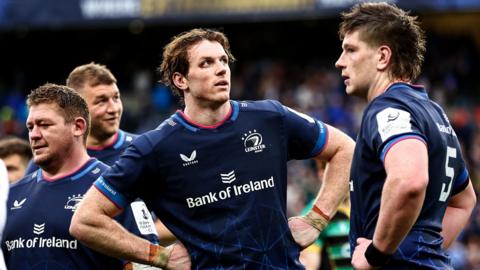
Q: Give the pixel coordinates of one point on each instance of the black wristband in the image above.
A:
(375, 257)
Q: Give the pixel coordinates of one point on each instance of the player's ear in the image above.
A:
(79, 126)
(180, 81)
(384, 54)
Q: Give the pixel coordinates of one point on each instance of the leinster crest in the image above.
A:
(73, 201)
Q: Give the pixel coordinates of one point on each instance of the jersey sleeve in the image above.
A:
(121, 182)
(306, 136)
(461, 182)
(389, 123)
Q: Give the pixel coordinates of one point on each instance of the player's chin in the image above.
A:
(41, 159)
(111, 129)
(349, 89)
(223, 96)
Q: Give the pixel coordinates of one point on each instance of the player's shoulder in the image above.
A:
(267, 105)
(128, 135)
(97, 167)
(124, 139)
(395, 100)
(403, 94)
(26, 180)
(90, 171)
(151, 139)
(400, 100)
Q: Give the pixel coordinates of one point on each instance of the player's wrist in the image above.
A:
(375, 257)
(317, 218)
(158, 256)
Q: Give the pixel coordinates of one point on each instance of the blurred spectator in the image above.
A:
(15, 153)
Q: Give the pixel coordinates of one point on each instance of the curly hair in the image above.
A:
(175, 54)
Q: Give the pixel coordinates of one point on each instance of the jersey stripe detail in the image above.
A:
(184, 123)
(461, 182)
(321, 140)
(85, 171)
(235, 110)
(113, 195)
(120, 140)
(391, 143)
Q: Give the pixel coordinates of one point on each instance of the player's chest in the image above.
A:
(216, 160)
(43, 211)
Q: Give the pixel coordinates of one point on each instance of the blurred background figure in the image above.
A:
(15, 153)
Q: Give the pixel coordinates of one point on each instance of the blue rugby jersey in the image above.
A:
(39, 211)
(110, 153)
(402, 112)
(133, 217)
(221, 189)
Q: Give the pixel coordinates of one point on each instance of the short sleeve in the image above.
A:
(388, 124)
(461, 182)
(120, 183)
(307, 137)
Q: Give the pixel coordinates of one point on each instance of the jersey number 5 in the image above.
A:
(449, 172)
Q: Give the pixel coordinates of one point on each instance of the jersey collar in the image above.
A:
(232, 115)
(76, 174)
(115, 144)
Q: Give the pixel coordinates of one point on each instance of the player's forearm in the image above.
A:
(107, 236)
(93, 225)
(337, 173)
(457, 214)
(334, 186)
(453, 222)
(400, 207)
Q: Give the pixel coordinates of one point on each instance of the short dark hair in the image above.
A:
(175, 54)
(15, 146)
(386, 24)
(70, 103)
(91, 74)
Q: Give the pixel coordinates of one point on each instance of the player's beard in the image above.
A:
(53, 159)
(102, 132)
(43, 159)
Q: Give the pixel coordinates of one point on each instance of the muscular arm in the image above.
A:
(403, 193)
(93, 225)
(338, 153)
(457, 214)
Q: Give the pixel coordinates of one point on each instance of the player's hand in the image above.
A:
(306, 229)
(302, 231)
(179, 258)
(359, 262)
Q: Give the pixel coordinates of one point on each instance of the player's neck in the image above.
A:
(207, 115)
(73, 160)
(380, 85)
(97, 142)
